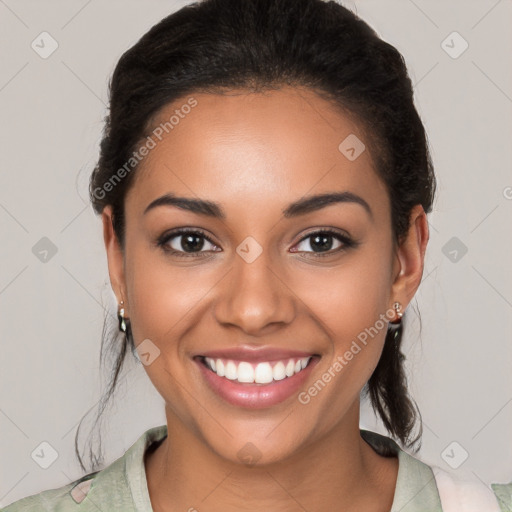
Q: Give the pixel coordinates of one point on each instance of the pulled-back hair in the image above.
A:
(217, 45)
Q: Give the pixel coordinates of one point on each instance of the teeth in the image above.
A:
(278, 372)
(231, 372)
(219, 364)
(290, 368)
(245, 372)
(261, 373)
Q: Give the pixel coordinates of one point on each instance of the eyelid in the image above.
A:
(342, 236)
(167, 236)
(324, 229)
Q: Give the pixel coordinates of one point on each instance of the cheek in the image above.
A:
(350, 297)
(164, 303)
(162, 295)
(346, 298)
(351, 302)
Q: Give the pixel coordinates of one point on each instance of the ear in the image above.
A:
(410, 256)
(115, 257)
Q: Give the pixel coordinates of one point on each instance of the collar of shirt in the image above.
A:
(124, 484)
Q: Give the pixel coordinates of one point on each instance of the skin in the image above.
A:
(254, 154)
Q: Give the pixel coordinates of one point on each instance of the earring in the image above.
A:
(397, 307)
(395, 326)
(120, 317)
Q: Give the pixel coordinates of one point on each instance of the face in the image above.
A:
(267, 277)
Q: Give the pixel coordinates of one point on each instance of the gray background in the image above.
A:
(52, 311)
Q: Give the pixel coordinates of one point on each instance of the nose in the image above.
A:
(255, 297)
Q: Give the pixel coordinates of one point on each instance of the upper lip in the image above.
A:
(255, 354)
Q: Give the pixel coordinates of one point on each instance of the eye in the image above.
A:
(195, 243)
(186, 242)
(321, 242)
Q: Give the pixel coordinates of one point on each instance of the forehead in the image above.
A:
(245, 148)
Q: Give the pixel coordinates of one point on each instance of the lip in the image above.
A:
(255, 396)
(256, 355)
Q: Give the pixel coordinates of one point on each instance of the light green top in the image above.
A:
(123, 486)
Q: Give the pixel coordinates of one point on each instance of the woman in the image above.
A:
(263, 183)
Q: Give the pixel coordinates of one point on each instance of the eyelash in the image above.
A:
(347, 242)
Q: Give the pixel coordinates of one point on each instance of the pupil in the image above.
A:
(321, 241)
(192, 242)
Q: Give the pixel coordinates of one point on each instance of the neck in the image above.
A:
(340, 471)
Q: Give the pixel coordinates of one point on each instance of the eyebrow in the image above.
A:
(302, 206)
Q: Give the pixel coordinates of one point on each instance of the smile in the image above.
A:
(256, 384)
(260, 373)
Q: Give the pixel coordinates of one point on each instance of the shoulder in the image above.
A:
(62, 499)
(503, 493)
(421, 486)
(415, 488)
(469, 494)
(119, 486)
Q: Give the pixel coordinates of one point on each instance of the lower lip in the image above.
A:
(255, 396)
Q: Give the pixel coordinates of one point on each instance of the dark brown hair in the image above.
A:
(218, 45)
